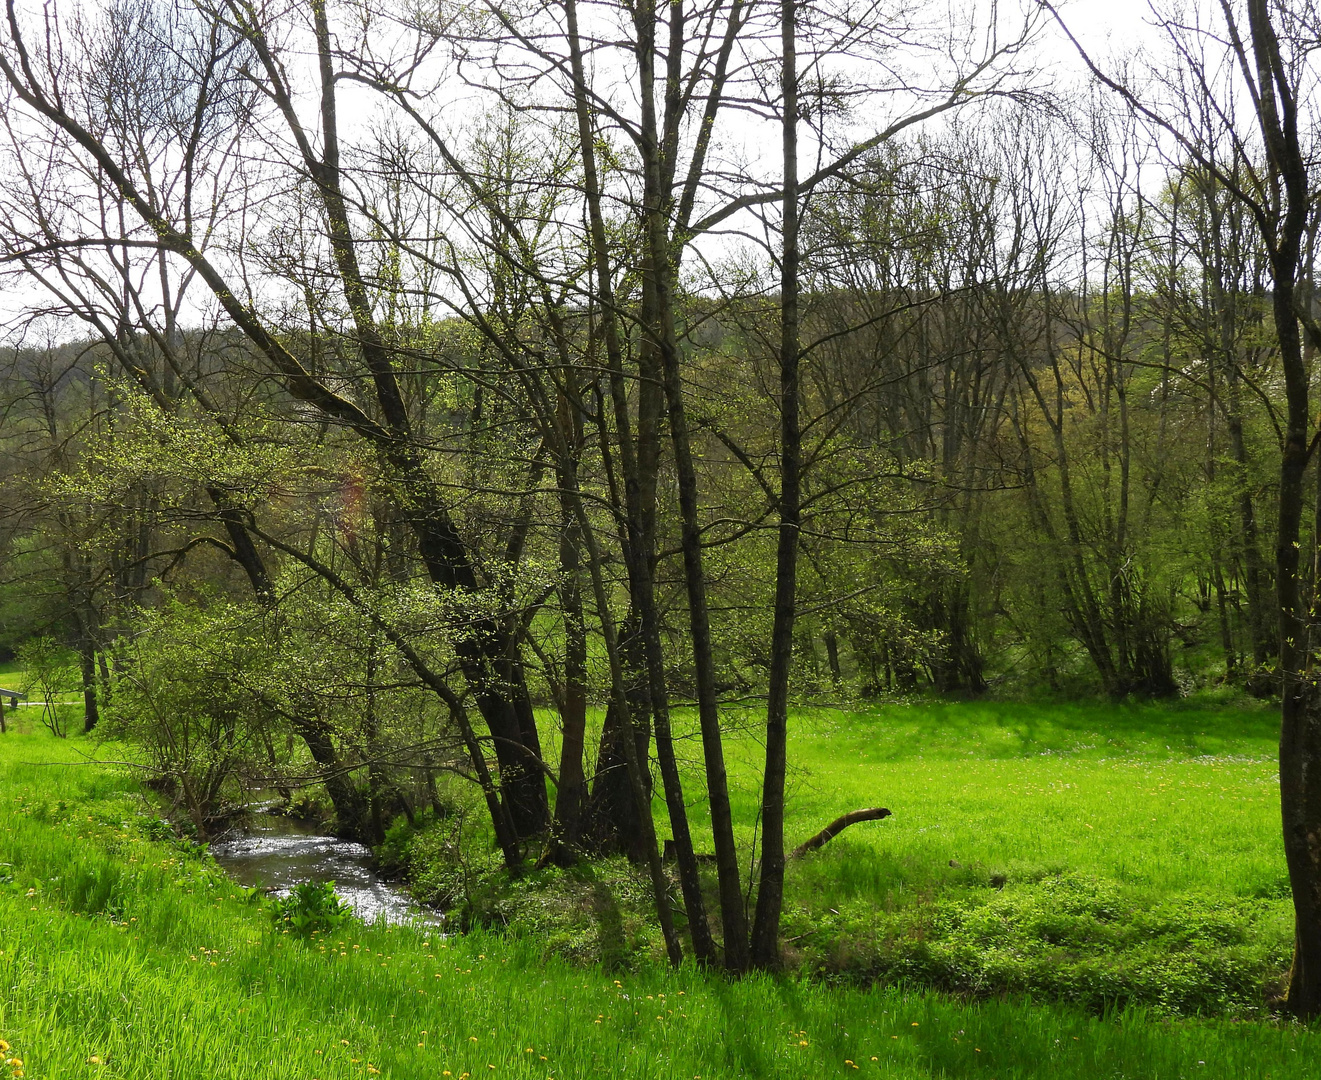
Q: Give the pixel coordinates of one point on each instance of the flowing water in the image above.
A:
(276, 853)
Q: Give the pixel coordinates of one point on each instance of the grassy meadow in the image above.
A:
(1095, 854)
(1098, 854)
(1149, 852)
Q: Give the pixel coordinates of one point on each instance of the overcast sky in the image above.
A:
(1101, 26)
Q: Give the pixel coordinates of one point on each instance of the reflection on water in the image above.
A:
(276, 853)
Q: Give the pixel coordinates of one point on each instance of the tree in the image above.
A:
(1266, 44)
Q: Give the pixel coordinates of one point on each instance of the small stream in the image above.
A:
(276, 853)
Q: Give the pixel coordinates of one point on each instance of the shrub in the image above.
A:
(51, 674)
(182, 695)
(310, 908)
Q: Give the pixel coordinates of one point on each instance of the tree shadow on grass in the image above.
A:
(609, 927)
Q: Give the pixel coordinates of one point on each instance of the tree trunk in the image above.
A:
(571, 793)
(87, 664)
(612, 820)
(636, 766)
(351, 810)
(661, 336)
(770, 891)
(1300, 720)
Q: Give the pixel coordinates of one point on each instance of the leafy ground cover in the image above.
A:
(128, 956)
(1097, 854)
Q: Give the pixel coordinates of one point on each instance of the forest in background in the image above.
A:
(361, 440)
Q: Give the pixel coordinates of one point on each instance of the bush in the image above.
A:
(182, 694)
(310, 908)
(1069, 938)
(51, 674)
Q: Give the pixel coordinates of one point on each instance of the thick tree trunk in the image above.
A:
(612, 820)
(87, 664)
(1300, 801)
(243, 550)
(636, 766)
(610, 817)
(352, 813)
(488, 658)
(832, 654)
(960, 667)
(1300, 720)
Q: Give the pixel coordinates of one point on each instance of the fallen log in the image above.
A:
(871, 813)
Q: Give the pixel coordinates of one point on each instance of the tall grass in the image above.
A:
(1163, 797)
(123, 957)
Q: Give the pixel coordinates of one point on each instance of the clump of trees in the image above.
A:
(444, 376)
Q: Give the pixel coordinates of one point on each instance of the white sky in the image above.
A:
(1101, 26)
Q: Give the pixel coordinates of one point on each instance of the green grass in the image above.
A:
(1165, 798)
(149, 960)
(144, 956)
(9, 669)
(1096, 854)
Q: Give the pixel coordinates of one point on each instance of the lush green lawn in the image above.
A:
(143, 956)
(131, 952)
(1098, 853)
(1158, 796)
(1095, 854)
